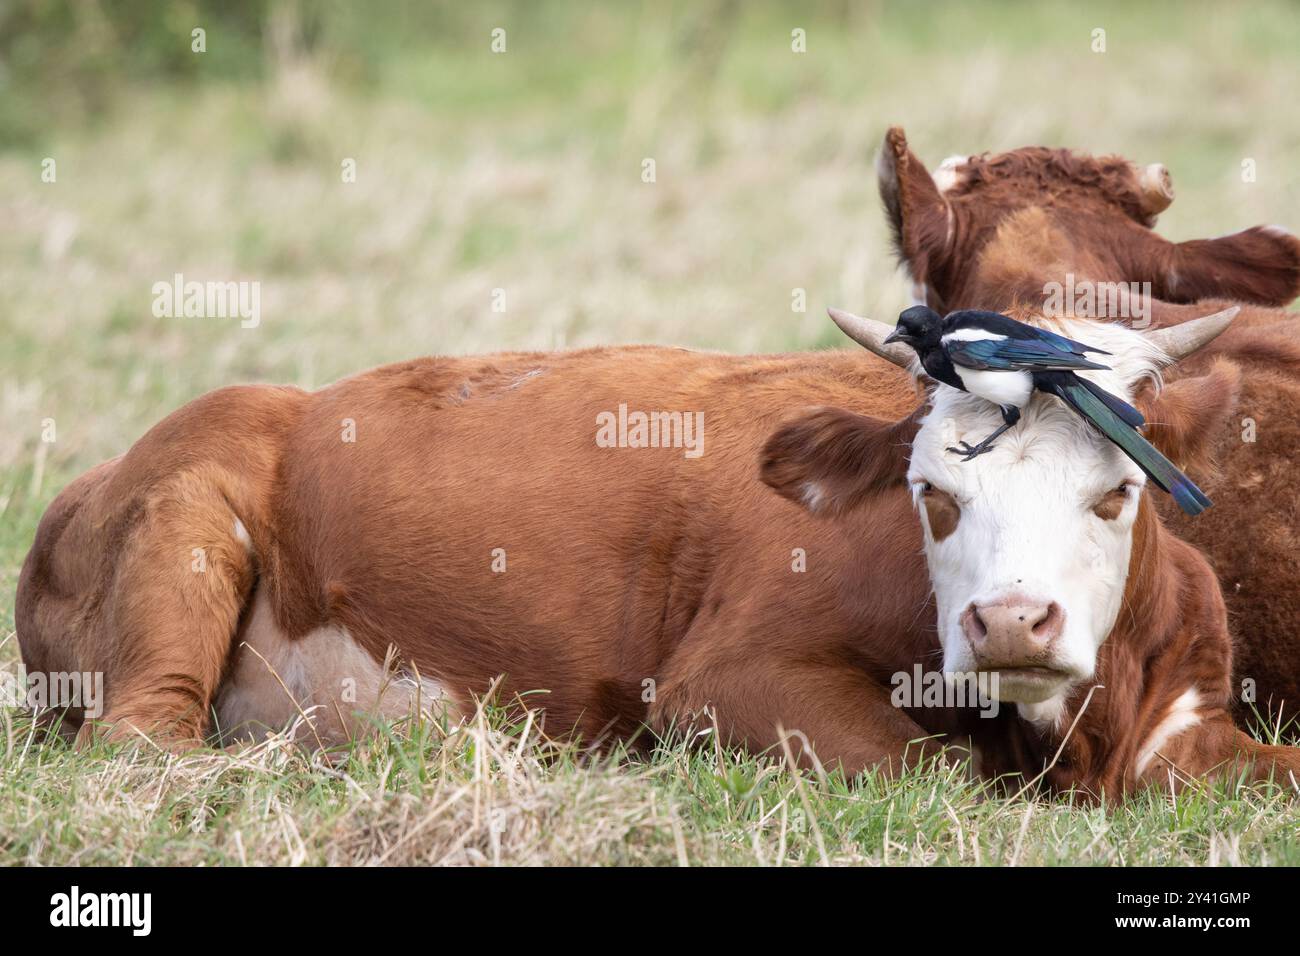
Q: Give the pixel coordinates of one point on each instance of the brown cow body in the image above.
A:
(621, 564)
(625, 569)
(991, 231)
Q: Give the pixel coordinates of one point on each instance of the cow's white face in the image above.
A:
(1028, 545)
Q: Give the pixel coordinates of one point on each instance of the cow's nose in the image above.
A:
(1012, 632)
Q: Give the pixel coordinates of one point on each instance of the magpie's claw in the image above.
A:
(969, 451)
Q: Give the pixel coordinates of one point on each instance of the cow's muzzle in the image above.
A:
(1016, 638)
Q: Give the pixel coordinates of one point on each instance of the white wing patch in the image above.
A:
(970, 334)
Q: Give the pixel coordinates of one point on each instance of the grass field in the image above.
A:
(522, 171)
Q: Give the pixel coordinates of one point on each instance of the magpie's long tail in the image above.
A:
(1115, 419)
(1129, 414)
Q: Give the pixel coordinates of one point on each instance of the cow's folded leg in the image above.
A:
(1214, 748)
(170, 615)
(835, 713)
(1261, 762)
(1272, 762)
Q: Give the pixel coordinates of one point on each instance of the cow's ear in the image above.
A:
(1187, 419)
(1260, 265)
(830, 460)
(917, 212)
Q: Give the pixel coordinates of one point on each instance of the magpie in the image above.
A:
(1005, 362)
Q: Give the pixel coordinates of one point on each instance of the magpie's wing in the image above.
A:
(1013, 355)
(1000, 324)
(1061, 342)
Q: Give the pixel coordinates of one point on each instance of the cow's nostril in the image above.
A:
(975, 627)
(1048, 624)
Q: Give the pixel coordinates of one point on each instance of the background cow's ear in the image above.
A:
(1259, 265)
(1189, 417)
(830, 460)
(916, 210)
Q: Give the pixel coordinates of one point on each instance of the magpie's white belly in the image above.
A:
(1003, 388)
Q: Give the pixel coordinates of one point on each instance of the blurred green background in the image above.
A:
(522, 171)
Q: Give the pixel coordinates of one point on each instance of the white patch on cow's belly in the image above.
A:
(1182, 715)
(325, 675)
(1003, 388)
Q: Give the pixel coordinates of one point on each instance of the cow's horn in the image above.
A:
(1156, 187)
(870, 334)
(1184, 339)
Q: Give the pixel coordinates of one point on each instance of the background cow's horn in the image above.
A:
(1156, 187)
(1184, 339)
(870, 334)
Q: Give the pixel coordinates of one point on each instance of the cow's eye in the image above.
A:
(1109, 505)
(941, 510)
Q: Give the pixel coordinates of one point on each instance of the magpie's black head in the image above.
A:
(920, 327)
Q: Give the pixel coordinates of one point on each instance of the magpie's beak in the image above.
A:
(893, 336)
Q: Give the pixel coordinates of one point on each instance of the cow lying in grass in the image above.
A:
(1008, 230)
(414, 531)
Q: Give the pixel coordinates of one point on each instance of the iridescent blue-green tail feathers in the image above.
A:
(1118, 421)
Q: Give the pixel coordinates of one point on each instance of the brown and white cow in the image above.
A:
(994, 230)
(416, 530)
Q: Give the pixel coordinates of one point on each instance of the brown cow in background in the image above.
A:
(992, 231)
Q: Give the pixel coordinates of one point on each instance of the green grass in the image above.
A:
(491, 792)
(522, 171)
